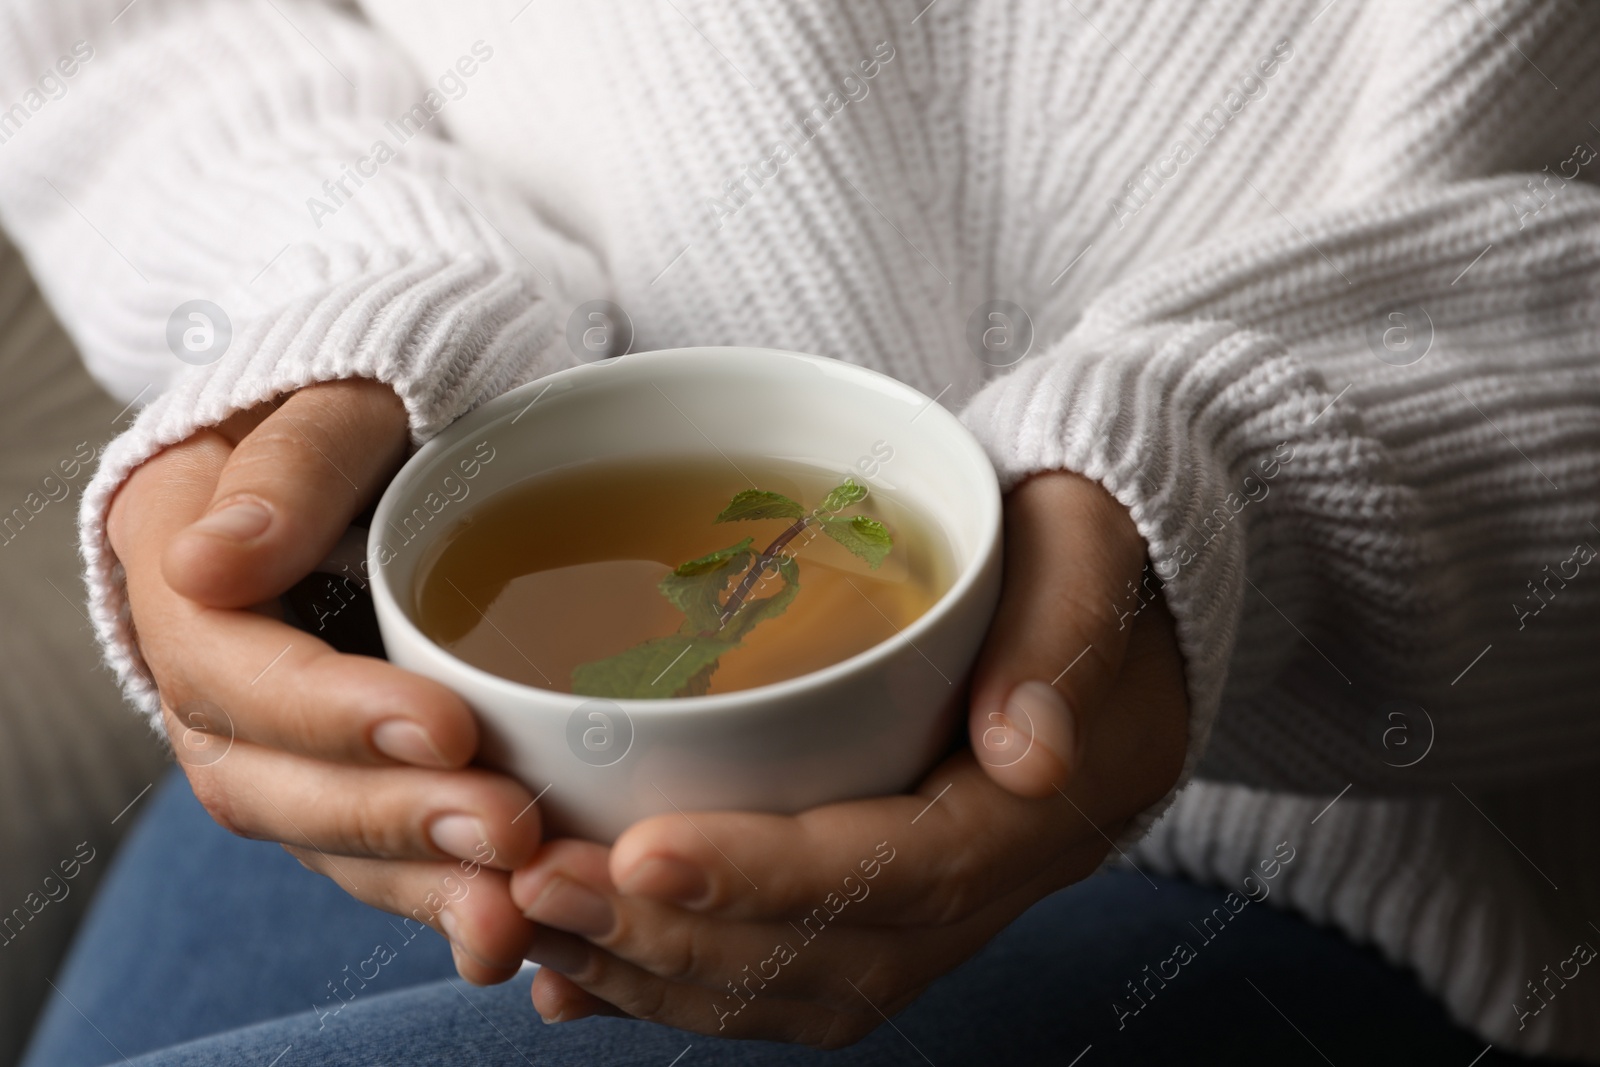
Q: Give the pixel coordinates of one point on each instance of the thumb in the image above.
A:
(288, 491)
(1071, 588)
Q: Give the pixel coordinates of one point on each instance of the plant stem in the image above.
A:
(748, 583)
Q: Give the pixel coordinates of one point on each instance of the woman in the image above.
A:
(1277, 322)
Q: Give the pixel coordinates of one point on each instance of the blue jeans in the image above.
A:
(204, 949)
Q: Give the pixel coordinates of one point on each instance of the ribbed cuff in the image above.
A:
(1187, 425)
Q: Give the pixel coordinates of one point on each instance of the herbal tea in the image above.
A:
(678, 577)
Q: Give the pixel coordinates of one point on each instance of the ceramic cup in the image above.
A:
(866, 726)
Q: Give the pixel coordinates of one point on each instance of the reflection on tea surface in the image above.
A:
(620, 572)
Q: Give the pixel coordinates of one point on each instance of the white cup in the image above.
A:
(869, 725)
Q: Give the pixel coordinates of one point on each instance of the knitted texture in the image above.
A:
(1313, 289)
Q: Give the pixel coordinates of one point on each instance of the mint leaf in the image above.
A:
(659, 667)
(867, 538)
(752, 612)
(695, 587)
(711, 560)
(760, 504)
(842, 496)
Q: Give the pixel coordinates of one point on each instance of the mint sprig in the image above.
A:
(681, 663)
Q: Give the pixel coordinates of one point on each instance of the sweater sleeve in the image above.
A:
(1363, 447)
(282, 162)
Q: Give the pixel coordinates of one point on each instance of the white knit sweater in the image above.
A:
(1314, 289)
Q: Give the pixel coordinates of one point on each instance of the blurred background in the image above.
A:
(74, 762)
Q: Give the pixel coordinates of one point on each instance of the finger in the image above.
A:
(735, 1013)
(381, 812)
(926, 859)
(567, 888)
(254, 677)
(288, 491)
(558, 1000)
(163, 494)
(827, 991)
(271, 684)
(1135, 753)
(1056, 645)
(467, 903)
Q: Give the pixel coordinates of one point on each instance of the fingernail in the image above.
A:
(239, 520)
(1042, 702)
(549, 1020)
(462, 836)
(669, 879)
(1040, 698)
(406, 741)
(575, 908)
(1002, 741)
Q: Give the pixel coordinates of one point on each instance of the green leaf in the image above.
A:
(711, 560)
(867, 538)
(695, 588)
(760, 504)
(752, 612)
(660, 667)
(842, 496)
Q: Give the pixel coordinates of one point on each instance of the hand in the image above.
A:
(814, 928)
(356, 766)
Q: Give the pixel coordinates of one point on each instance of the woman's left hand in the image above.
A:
(815, 928)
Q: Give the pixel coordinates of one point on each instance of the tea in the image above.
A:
(678, 576)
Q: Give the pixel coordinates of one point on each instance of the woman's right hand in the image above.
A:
(355, 766)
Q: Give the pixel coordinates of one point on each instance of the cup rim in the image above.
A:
(513, 399)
